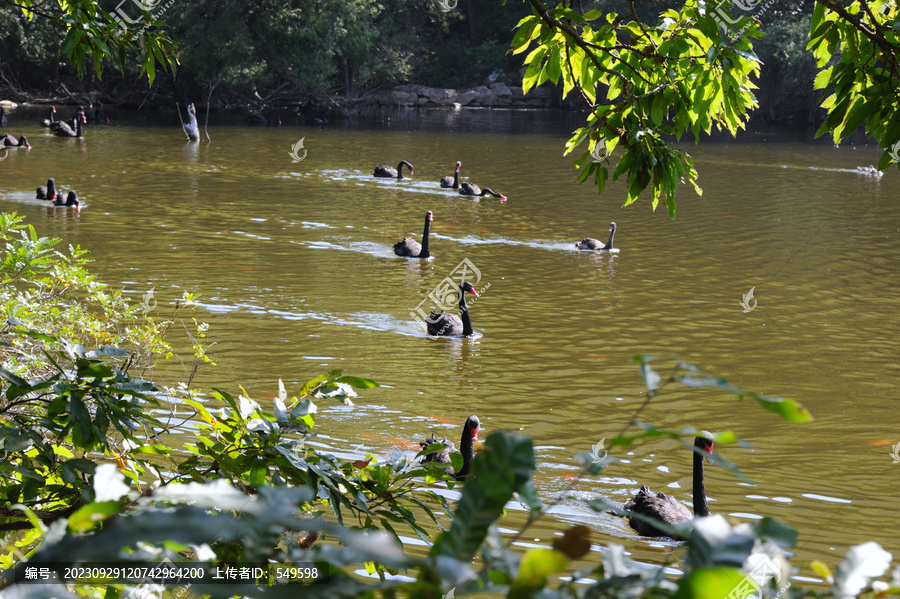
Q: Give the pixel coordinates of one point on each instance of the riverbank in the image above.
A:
(499, 90)
(497, 94)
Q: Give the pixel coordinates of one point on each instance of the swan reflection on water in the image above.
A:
(605, 261)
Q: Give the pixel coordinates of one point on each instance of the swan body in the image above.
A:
(11, 142)
(666, 509)
(452, 181)
(445, 324)
(470, 189)
(411, 248)
(71, 200)
(62, 128)
(389, 172)
(589, 243)
(48, 192)
(96, 116)
(258, 120)
(466, 444)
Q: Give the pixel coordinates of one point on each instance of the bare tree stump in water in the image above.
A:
(191, 129)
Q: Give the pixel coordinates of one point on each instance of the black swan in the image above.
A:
(466, 447)
(96, 116)
(3, 120)
(393, 173)
(666, 509)
(71, 200)
(259, 120)
(319, 120)
(412, 248)
(63, 129)
(49, 122)
(11, 142)
(446, 324)
(589, 243)
(452, 182)
(470, 189)
(47, 193)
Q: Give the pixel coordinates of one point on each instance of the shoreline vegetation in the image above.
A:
(499, 90)
(341, 59)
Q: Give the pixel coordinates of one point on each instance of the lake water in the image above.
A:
(294, 266)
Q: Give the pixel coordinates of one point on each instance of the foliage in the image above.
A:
(642, 82)
(857, 43)
(43, 289)
(317, 47)
(88, 32)
(179, 522)
(690, 69)
(281, 50)
(65, 411)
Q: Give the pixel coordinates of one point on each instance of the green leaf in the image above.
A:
(90, 516)
(527, 31)
(788, 409)
(710, 583)
(500, 470)
(14, 379)
(536, 566)
(357, 382)
(772, 529)
(82, 418)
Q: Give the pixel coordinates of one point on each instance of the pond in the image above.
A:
(294, 267)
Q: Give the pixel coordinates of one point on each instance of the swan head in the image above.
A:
(429, 215)
(458, 164)
(612, 227)
(704, 441)
(467, 286)
(473, 424)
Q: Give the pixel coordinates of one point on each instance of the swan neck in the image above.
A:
(456, 180)
(700, 506)
(467, 448)
(424, 253)
(609, 245)
(464, 315)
